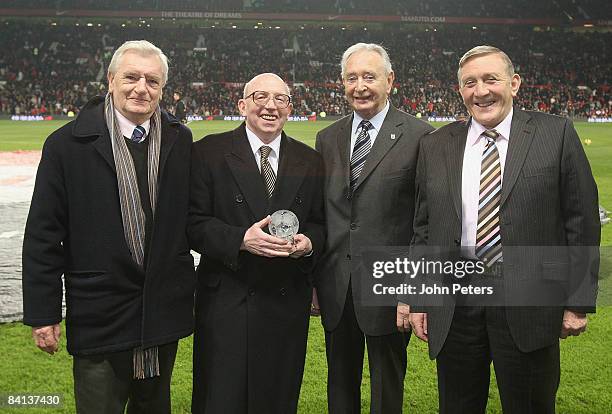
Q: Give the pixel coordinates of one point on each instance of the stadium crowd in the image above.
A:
(565, 10)
(48, 69)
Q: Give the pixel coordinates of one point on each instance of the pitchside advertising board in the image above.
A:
(301, 118)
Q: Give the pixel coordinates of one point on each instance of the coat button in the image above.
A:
(348, 256)
(239, 198)
(251, 292)
(457, 242)
(353, 226)
(298, 200)
(283, 291)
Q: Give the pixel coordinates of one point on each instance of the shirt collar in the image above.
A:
(127, 126)
(503, 129)
(256, 143)
(376, 121)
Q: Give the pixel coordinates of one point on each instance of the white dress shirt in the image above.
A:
(376, 121)
(470, 178)
(256, 143)
(127, 126)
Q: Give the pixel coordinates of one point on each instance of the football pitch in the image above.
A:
(15, 135)
(586, 361)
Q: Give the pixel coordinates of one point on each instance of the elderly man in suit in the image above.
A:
(254, 289)
(370, 161)
(109, 212)
(511, 189)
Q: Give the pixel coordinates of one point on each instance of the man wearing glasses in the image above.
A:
(254, 290)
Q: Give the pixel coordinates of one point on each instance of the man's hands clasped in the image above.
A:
(258, 242)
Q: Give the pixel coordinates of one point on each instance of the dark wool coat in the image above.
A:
(75, 229)
(252, 312)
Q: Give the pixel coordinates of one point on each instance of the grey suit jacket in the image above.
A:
(549, 198)
(378, 213)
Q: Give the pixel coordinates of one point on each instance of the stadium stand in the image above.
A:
(564, 9)
(54, 69)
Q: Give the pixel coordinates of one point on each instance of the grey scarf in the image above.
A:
(145, 360)
(132, 213)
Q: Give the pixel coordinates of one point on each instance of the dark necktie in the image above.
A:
(266, 169)
(488, 236)
(360, 152)
(138, 133)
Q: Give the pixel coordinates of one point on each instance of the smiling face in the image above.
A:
(265, 121)
(366, 85)
(136, 86)
(487, 88)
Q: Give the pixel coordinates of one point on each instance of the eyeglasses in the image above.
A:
(261, 98)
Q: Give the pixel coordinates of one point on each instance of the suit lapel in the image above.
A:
(91, 123)
(291, 172)
(169, 136)
(343, 138)
(105, 148)
(389, 134)
(243, 166)
(521, 135)
(454, 149)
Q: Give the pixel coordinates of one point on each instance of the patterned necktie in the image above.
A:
(138, 134)
(488, 236)
(360, 152)
(266, 169)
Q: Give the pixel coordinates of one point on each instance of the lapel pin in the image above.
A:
(392, 136)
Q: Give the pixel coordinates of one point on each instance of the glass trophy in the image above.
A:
(284, 225)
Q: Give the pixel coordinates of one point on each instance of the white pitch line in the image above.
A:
(9, 234)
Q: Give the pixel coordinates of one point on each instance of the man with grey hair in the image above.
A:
(254, 289)
(109, 213)
(513, 190)
(370, 158)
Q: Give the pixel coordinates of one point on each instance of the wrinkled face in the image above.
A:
(267, 119)
(137, 86)
(488, 89)
(365, 84)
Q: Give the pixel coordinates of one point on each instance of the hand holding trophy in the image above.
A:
(284, 224)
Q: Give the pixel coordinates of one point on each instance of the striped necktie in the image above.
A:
(488, 235)
(138, 134)
(360, 152)
(266, 169)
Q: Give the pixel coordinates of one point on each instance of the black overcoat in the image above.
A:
(252, 312)
(74, 228)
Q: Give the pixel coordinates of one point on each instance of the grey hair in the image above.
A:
(144, 48)
(371, 47)
(485, 50)
(246, 85)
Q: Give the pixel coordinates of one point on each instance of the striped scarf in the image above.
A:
(145, 361)
(132, 213)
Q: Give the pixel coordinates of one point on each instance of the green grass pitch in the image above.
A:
(586, 360)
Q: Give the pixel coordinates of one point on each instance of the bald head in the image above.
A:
(250, 86)
(266, 105)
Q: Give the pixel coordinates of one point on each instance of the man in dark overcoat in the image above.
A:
(179, 107)
(254, 290)
(108, 214)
